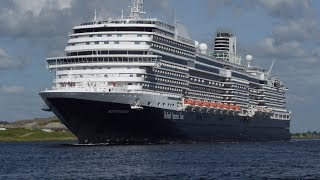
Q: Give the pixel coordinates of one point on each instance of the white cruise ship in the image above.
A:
(135, 80)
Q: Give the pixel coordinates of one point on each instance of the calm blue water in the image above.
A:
(292, 160)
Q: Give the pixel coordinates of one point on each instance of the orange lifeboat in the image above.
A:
(238, 108)
(189, 101)
(219, 105)
(233, 107)
(225, 106)
(213, 105)
(207, 104)
(198, 103)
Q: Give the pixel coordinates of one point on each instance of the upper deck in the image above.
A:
(130, 22)
(122, 23)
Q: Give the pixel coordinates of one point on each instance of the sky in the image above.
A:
(285, 30)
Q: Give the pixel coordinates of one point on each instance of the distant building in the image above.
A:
(55, 126)
(31, 126)
(47, 130)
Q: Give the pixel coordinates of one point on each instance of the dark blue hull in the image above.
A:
(102, 122)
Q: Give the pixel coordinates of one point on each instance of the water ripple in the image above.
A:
(298, 159)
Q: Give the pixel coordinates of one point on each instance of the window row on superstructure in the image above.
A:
(102, 52)
(205, 75)
(133, 21)
(165, 80)
(267, 95)
(203, 96)
(207, 82)
(77, 38)
(99, 42)
(273, 91)
(112, 29)
(222, 65)
(171, 50)
(172, 59)
(161, 88)
(248, 78)
(168, 73)
(101, 59)
(273, 105)
(174, 44)
(137, 30)
(206, 89)
(207, 68)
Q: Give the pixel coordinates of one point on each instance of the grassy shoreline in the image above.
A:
(304, 137)
(23, 135)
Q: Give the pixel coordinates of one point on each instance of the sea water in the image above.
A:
(297, 159)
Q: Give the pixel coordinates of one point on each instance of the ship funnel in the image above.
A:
(225, 42)
(225, 47)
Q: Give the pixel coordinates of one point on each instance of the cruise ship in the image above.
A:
(136, 80)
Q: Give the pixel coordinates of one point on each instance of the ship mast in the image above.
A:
(136, 9)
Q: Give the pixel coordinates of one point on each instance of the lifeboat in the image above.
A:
(225, 106)
(213, 105)
(219, 105)
(198, 103)
(189, 101)
(238, 108)
(207, 104)
(233, 107)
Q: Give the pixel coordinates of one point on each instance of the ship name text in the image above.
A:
(171, 115)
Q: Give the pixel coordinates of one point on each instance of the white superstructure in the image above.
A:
(147, 56)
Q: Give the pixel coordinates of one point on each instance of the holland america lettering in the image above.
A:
(171, 115)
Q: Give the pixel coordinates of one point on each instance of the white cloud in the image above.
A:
(287, 9)
(273, 4)
(316, 52)
(6, 62)
(3, 53)
(299, 29)
(183, 30)
(11, 89)
(36, 6)
(270, 47)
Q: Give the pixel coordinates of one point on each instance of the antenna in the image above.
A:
(175, 21)
(95, 15)
(136, 9)
(122, 14)
(271, 66)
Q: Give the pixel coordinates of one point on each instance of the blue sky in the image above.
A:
(285, 30)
